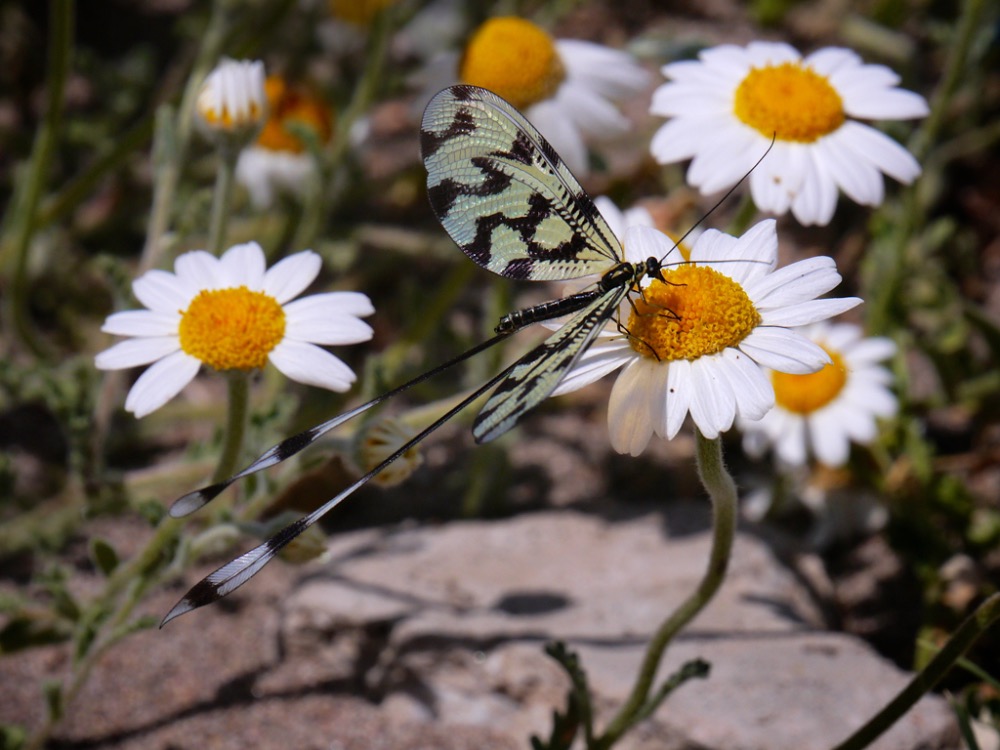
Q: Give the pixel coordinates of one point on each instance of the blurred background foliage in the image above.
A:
(927, 263)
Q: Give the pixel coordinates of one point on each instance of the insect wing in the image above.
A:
(538, 372)
(503, 193)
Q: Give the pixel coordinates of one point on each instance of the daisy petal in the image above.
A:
(713, 403)
(799, 282)
(630, 419)
(594, 364)
(243, 265)
(318, 319)
(678, 397)
(594, 115)
(141, 323)
(163, 292)
(306, 363)
(784, 350)
(747, 379)
(828, 439)
(160, 383)
(805, 313)
(198, 269)
(136, 352)
(791, 440)
(883, 152)
(290, 276)
(560, 131)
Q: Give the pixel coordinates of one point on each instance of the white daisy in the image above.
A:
(696, 342)
(566, 87)
(279, 161)
(231, 314)
(727, 105)
(825, 411)
(231, 99)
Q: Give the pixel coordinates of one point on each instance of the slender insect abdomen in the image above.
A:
(519, 319)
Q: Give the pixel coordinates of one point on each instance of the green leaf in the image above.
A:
(23, 632)
(104, 556)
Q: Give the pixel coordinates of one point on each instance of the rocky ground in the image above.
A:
(432, 636)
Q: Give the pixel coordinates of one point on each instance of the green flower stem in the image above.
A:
(969, 25)
(978, 622)
(745, 213)
(885, 267)
(221, 198)
(236, 423)
(173, 137)
(318, 203)
(722, 491)
(23, 210)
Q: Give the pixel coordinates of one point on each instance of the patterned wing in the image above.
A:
(504, 195)
(538, 372)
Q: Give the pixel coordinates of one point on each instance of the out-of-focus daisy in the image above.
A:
(566, 87)
(279, 161)
(696, 342)
(231, 101)
(231, 314)
(823, 412)
(727, 105)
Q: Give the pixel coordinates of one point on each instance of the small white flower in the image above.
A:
(380, 440)
(695, 343)
(825, 411)
(566, 88)
(232, 314)
(232, 99)
(279, 162)
(727, 105)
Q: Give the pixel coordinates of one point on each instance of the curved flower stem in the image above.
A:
(236, 423)
(221, 198)
(722, 491)
(978, 622)
(23, 208)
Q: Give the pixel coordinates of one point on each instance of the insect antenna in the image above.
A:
(726, 196)
(235, 573)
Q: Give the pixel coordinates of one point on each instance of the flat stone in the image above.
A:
(463, 611)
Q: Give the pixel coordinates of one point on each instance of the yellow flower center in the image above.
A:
(289, 110)
(514, 59)
(225, 120)
(699, 311)
(232, 329)
(804, 394)
(789, 101)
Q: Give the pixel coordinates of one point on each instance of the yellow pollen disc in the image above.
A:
(804, 394)
(224, 120)
(793, 102)
(514, 59)
(698, 312)
(292, 107)
(232, 329)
